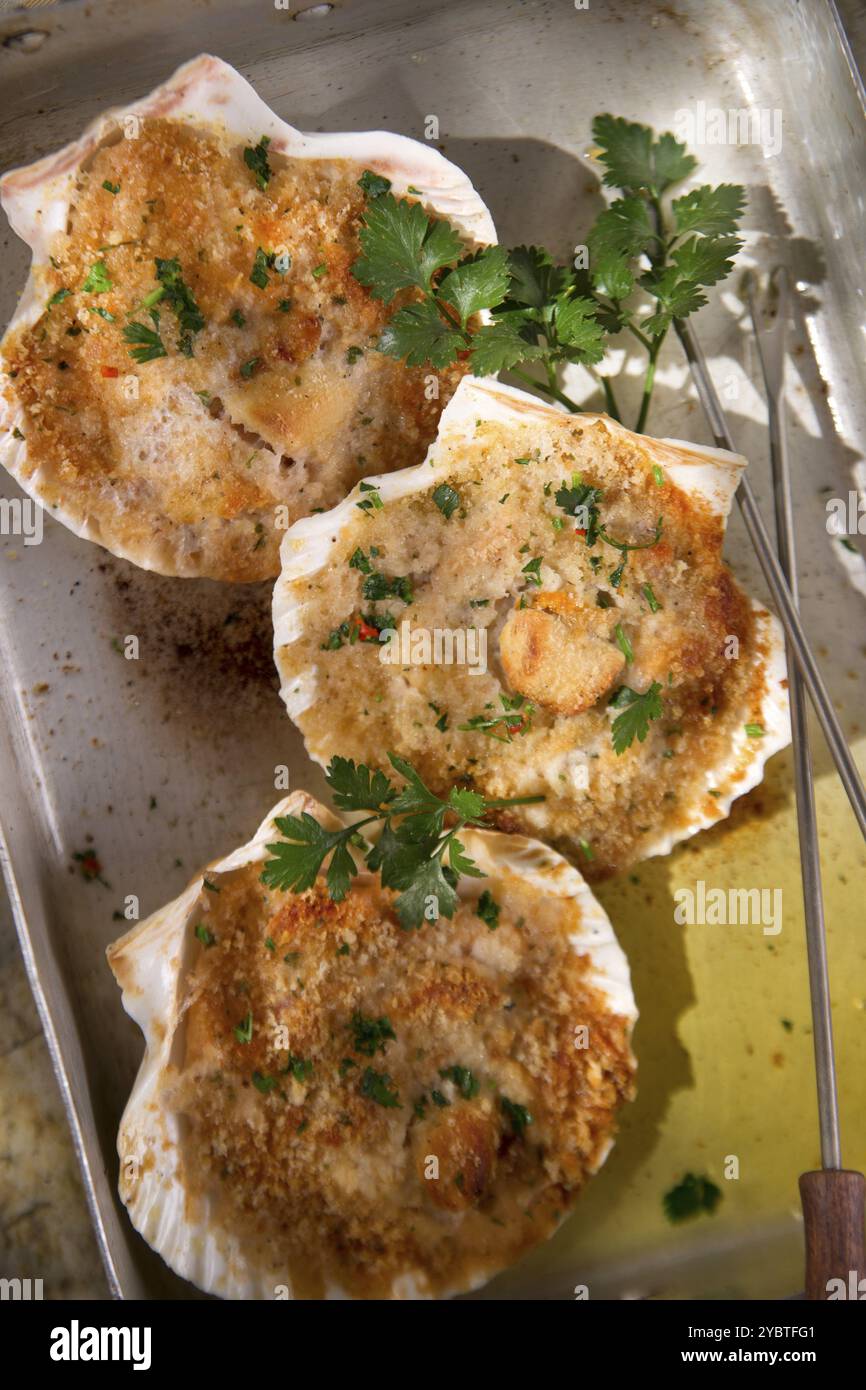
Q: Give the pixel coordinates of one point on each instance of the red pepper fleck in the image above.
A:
(366, 632)
(109, 371)
(515, 728)
(580, 530)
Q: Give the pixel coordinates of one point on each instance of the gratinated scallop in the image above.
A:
(332, 1106)
(540, 608)
(191, 365)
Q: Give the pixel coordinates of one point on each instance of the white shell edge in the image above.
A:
(204, 91)
(150, 959)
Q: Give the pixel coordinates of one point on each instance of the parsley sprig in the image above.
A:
(416, 854)
(637, 712)
(644, 244)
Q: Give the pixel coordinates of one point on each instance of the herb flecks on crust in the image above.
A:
(618, 661)
(414, 1104)
(204, 365)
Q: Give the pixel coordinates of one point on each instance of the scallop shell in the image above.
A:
(708, 473)
(204, 93)
(150, 963)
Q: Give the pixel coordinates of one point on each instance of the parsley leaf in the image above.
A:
(693, 1195)
(447, 499)
(98, 280)
(711, 211)
(256, 159)
(378, 1086)
(411, 848)
(498, 346)
(402, 247)
(371, 1035)
(374, 185)
(488, 909)
(149, 344)
(417, 334)
(637, 713)
(478, 282)
(179, 298)
(634, 159)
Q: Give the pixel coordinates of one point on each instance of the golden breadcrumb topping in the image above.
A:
(379, 1110)
(269, 394)
(574, 633)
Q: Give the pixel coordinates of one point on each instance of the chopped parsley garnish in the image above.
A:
(298, 1067)
(372, 502)
(623, 643)
(262, 1083)
(378, 1086)
(371, 1035)
(320, 270)
(360, 561)
(352, 355)
(441, 722)
(378, 586)
(237, 318)
(256, 159)
(516, 718)
(374, 185)
(98, 280)
(488, 909)
(148, 344)
(755, 730)
(248, 368)
(110, 187)
(259, 273)
(447, 499)
(647, 591)
(637, 712)
(205, 935)
(440, 1100)
(693, 1195)
(532, 570)
(58, 297)
(466, 1083)
(416, 854)
(517, 1115)
(179, 298)
(581, 500)
(243, 1031)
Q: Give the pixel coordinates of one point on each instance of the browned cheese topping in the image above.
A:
(366, 1103)
(585, 643)
(174, 412)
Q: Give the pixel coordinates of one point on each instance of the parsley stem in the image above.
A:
(641, 337)
(609, 397)
(649, 382)
(552, 391)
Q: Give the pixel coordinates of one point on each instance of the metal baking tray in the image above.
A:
(163, 763)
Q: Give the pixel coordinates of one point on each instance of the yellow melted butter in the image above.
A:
(718, 1072)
